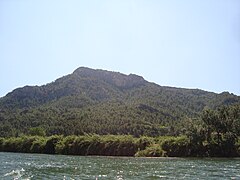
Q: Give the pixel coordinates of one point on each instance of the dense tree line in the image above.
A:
(217, 132)
(76, 145)
(213, 133)
(107, 145)
(106, 118)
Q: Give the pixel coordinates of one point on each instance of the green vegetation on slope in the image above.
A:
(103, 102)
(215, 133)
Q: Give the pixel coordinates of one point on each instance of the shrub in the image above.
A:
(155, 150)
(176, 146)
(51, 143)
(38, 146)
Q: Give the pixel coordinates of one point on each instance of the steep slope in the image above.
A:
(98, 101)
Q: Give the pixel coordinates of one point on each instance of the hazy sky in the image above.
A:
(191, 44)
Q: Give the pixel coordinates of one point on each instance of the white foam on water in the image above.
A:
(15, 173)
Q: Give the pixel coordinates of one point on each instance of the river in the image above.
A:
(41, 166)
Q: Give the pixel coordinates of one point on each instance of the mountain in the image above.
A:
(104, 102)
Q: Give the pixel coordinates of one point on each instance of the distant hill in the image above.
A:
(104, 102)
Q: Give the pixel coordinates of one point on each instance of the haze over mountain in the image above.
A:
(104, 102)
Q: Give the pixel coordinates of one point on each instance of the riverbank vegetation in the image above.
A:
(214, 134)
(112, 145)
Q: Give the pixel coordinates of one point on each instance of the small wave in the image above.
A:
(15, 173)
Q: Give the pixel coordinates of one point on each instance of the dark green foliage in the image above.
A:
(103, 102)
(37, 131)
(155, 150)
(216, 133)
(19, 144)
(76, 145)
(100, 145)
(177, 146)
(50, 146)
(110, 145)
(2, 144)
(38, 146)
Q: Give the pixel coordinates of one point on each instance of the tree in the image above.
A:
(37, 131)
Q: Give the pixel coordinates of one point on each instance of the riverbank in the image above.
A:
(117, 145)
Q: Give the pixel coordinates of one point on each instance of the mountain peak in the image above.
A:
(82, 69)
(118, 79)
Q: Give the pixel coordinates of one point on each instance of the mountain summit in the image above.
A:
(104, 102)
(116, 79)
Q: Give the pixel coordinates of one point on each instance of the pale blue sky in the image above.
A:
(187, 43)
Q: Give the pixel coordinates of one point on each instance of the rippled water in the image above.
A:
(40, 166)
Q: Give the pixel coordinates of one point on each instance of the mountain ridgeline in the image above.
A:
(104, 102)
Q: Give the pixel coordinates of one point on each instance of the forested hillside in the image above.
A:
(104, 102)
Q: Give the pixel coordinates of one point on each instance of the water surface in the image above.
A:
(41, 166)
